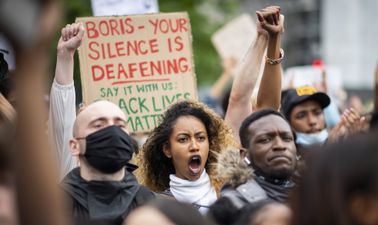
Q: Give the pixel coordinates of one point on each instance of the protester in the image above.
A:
(270, 148)
(180, 153)
(266, 136)
(101, 189)
(303, 107)
(340, 186)
(62, 97)
(270, 25)
(166, 212)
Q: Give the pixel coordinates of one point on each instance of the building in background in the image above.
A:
(350, 30)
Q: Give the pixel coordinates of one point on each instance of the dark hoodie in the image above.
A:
(103, 202)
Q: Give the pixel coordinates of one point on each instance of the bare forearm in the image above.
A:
(244, 82)
(64, 67)
(269, 94)
(240, 106)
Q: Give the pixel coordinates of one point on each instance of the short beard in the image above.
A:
(281, 174)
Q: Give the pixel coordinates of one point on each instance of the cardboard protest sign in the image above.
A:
(234, 39)
(143, 63)
(309, 75)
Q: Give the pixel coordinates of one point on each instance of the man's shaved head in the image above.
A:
(96, 116)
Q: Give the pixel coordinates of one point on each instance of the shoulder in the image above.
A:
(232, 169)
(167, 193)
(144, 195)
(145, 191)
(248, 192)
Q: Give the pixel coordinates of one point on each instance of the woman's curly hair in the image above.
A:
(156, 167)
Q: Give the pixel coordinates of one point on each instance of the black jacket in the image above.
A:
(103, 202)
(243, 185)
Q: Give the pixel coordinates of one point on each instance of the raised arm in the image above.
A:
(271, 22)
(240, 106)
(62, 96)
(70, 40)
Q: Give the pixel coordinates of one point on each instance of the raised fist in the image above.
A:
(270, 20)
(71, 37)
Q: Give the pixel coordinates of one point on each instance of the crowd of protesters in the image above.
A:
(269, 157)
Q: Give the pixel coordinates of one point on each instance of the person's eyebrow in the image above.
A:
(97, 119)
(120, 119)
(200, 132)
(286, 133)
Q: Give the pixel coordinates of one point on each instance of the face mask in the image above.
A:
(331, 115)
(312, 139)
(109, 149)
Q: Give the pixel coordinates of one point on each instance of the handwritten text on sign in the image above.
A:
(143, 63)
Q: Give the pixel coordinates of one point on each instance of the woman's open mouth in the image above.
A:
(195, 164)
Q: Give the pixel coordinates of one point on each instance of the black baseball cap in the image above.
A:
(294, 97)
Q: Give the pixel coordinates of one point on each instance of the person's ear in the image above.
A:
(74, 147)
(243, 153)
(167, 151)
(363, 208)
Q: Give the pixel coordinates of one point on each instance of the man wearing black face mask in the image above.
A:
(101, 189)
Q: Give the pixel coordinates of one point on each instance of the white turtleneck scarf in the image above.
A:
(199, 192)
